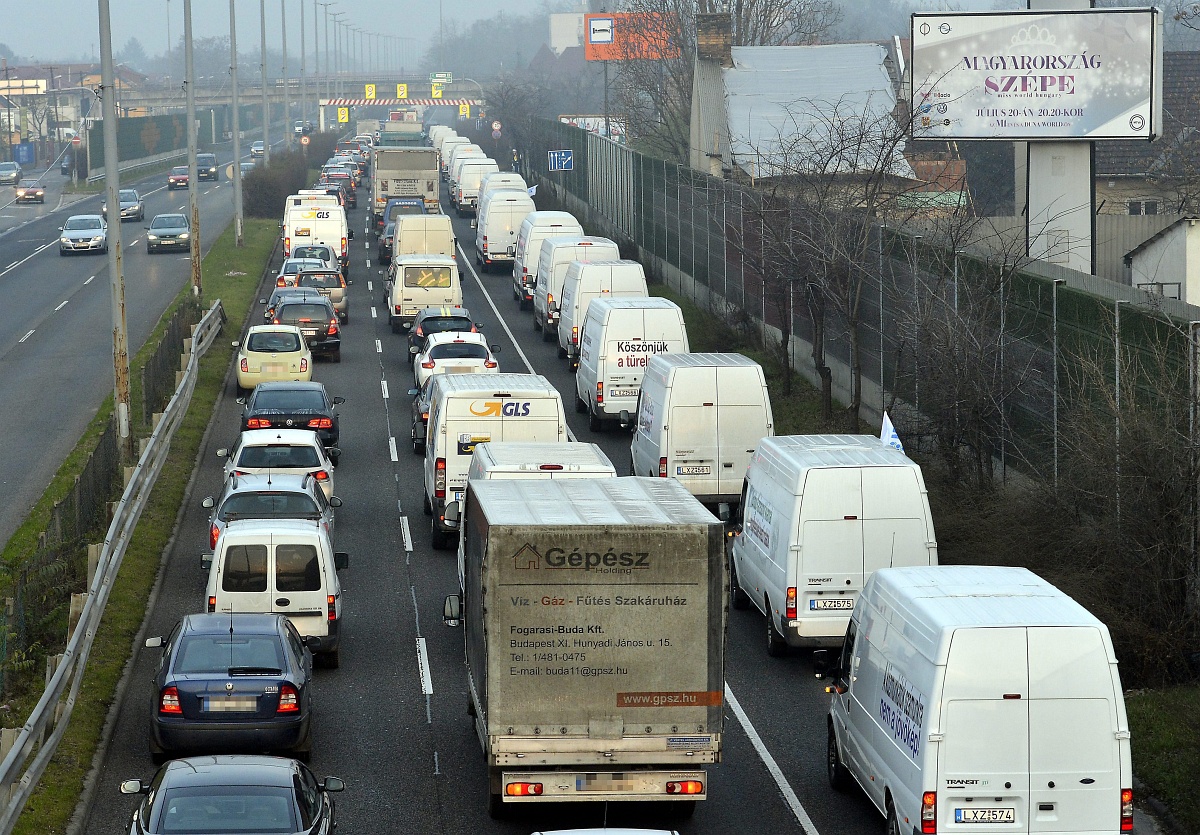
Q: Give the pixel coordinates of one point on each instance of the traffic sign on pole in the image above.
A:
(368, 91)
(401, 91)
(435, 91)
(343, 114)
(76, 141)
(496, 125)
(561, 160)
(304, 140)
(441, 78)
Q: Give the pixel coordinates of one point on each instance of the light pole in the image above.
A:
(337, 51)
(189, 81)
(303, 69)
(238, 221)
(287, 88)
(262, 69)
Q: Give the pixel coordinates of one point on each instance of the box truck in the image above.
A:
(403, 172)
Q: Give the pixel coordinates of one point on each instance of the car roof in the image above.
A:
(296, 298)
(442, 337)
(273, 329)
(284, 385)
(210, 623)
(230, 770)
(292, 437)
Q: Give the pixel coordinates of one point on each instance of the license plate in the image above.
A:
(458, 495)
(820, 603)
(274, 367)
(621, 393)
(308, 334)
(985, 816)
(231, 704)
(693, 469)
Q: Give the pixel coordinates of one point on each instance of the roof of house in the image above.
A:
(1190, 219)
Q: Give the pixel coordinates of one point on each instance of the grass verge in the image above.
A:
(231, 275)
(1166, 747)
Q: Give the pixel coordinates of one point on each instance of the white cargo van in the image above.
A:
(557, 255)
(699, 419)
(307, 224)
(470, 409)
(421, 281)
(466, 184)
(980, 699)
(437, 132)
(451, 157)
(506, 180)
(281, 566)
(423, 235)
(587, 280)
(818, 515)
(448, 144)
(536, 227)
(619, 336)
(501, 213)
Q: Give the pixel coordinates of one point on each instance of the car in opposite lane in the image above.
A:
(294, 406)
(295, 451)
(454, 353)
(230, 682)
(169, 231)
(272, 352)
(269, 495)
(178, 178)
(132, 207)
(207, 167)
(234, 794)
(83, 233)
(257, 148)
(30, 191)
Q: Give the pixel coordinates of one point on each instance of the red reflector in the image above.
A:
(685, 787)
(849, 518)
(289, 702)
(212, 603)
(790, 611)
(169, 702)
(303, 365)
(662, 467)
(523, 789)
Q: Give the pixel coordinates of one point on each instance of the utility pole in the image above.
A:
(303, 69)
(262, 69)
(287, 89)
(8, 104)
(112, 187)
(238, 220)
(189, 83)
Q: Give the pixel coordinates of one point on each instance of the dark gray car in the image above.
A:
(169, 232)
(132, 207)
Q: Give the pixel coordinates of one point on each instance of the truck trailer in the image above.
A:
(404, 172)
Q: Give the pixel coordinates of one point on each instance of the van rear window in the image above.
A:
(296, 568)
(435, 277)
(245, 568)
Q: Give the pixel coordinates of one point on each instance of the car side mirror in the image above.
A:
(413, 392)
(208, 502)
(479, 326)
(60, 229)
(206, 561)
(452, 515)
(333, 452)
(333, 784)
(262, 301)
(235, 344)
(822, 665)
(241, 401)
(349, 280)
(495, 349)
(133, 787)
(147, 228)
(154, 643)
(337, 401)
(341, 560)
(452, 610)
(222, 453)
(412, 349)
(334, 501)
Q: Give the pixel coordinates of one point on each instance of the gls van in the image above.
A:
(501, 213)
(420, 281)
(619, 337)
(699, 419)
(819, 514)
(536, 227)
(557, 255)
(306, 223)
(470, 409)
(979, 699)
(285, 567)
(587, 280)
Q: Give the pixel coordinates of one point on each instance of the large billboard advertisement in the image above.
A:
(1072, 75)
(629, 36)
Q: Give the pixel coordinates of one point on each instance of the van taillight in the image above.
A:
(213, 533)
(575, 337)
(439, 479)
(790, 610)
(662, 467)
(523, 789)
(928, 809)
(685, 787)
(212, 603)
(397, 310)
(549, 299)
(599, 393)
(289, 702)
(287, 247)
(321, 475)
(1126, 810)
(343, 247)
(331, 607)
(168, 702)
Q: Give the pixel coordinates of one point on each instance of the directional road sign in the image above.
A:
(441, 78)
(561, 160)
(436, 90)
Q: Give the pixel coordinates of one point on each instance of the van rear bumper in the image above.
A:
(629, 784)
(320, 644)
(816, 632)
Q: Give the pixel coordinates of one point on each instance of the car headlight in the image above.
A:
(152, 237)
(183, 236)
(98, 239)
(20, 193)
(64, 240)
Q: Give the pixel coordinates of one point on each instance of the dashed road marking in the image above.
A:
(391, 443)
(26, 336)
(374, 315)
(378, 347)
(61, 305)
(383, 384)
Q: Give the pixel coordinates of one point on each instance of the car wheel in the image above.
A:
(418, 446)
(595, 424)
(893, 825)
(738, 598)
(839, 778)
(776, 645)
(580, 406)
(62, 252)
(396, 327)
(438, 539)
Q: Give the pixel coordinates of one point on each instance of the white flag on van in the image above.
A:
(532, 190)
(888, 434)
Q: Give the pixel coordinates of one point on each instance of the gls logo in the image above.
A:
(498, 408)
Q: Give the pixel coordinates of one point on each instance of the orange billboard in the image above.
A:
(629, 36)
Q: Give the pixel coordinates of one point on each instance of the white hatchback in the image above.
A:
(454, 352)
(272, 352)
(297, 451)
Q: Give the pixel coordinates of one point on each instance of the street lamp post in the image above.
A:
(287, 89)
(189, 74)
(337, 51)
(262, 68)
(238, 221)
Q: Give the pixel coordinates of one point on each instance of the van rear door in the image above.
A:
(691, 429)
(894, 530)
(531, 419)
(831, 544)
(741, 424)
(243, 578)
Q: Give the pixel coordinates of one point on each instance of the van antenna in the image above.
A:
(892, 556)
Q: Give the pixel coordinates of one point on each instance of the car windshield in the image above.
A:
(320, 280)
(8, 166)
(128, 196)
(301, 311)
(458, 350)
(290, 400)
(226, 809)
(82, 223)
(220, 653)
(279, 455)
(29, 184)
(275, 504)
(168, 222)
(273, 342)
(436, 277)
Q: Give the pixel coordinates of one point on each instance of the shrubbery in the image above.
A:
(265, 189)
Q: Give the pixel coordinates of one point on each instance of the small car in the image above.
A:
(170, 231)
(247, 167)
(269, 495)
(331, 284)
(30, 191)
(272, 352)
(178, 178)
(257, 149)
(454, 353)
(295, 451)
(232, 682)
(279, 293)
(385, 243)
(298, 126)
(207, 167)
(234, 794)
(83, 233)
(132, 207)
(317, 320)
(336, 189)
(291, 267)
(10, 173)
(430, 320)
(66, 164)
(322, 252)
(294, 406)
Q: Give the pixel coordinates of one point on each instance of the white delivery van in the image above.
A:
(980, 699)
(281, 566)
(466, 183)
(497, 180)
(587, 280)
(818, 515)
(536, 227)
(699, 419)
(470, 409)
(307, 224)
(448, 144)
(451, 157)
(501, 213)
(618, 338)
(423, 235)
(557, 255)
(437, 132)
(421, 281)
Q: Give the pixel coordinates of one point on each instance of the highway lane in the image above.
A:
(403, 741)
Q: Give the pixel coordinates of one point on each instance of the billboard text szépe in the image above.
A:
(1091, 74)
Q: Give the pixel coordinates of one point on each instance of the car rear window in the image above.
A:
(448, 324)
(435, 277)
(273, 342)
(278, 455)
(320, 280)
(245, 571)
(317, 252)
(404, 209)
(303, 311)
(218, 653)
(297, 568)
(290, 400)
(268, 505)
(458, 350)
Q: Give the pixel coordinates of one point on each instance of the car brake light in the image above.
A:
(420, 330)
(168, 702)
(331, 607)
(258, 423)
(928, 809)
(276, 321)
(523, 789)
(288, 700)
(685, 787)
(790, 608)
(427, 364)
(321, 475)
(333, 327)
(439, 479)
(575, 336)
(303, 364)
(213, 533)
(490, 364)
(281, 282)
(320, 423)
(343, 247)
(397, 310)
(662, 467)
(212, 603)
(1126, 810)
(599, 393)
(244, 365)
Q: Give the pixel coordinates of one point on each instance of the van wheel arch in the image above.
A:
(776, 645)
(893, 820)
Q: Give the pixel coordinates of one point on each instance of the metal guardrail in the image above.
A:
(97, 174)
(48, 721)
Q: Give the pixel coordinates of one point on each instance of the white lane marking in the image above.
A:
(391, 446)
(383, 385)
(776, 772)
(492, 304)
(13, 264)
(405, 533)
(370, 286)
(26, 336)
(16, 264)
(184, 206)
(134, 242)
(374, 315)
(378, 347)
(44, 246)
(61, 306)
(423, 666)
(367, 245)
(89, 281)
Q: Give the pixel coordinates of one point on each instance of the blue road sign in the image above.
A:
(561, 160)
(23, 153)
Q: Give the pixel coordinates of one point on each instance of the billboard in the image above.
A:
(1071, 75)
(629, 36)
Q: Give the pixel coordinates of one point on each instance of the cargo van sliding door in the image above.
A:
(894, 532)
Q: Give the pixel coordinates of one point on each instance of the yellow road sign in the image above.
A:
(436, 91)
(464, 110)
(369, 91)
(343, 114)
(401, 91)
